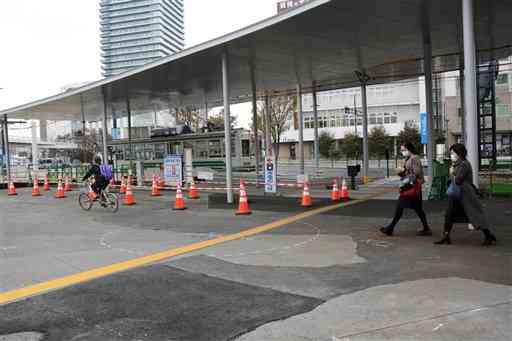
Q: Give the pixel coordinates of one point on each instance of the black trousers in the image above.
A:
(415, 204)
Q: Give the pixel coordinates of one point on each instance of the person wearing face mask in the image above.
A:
(410, 191)
(463, 203)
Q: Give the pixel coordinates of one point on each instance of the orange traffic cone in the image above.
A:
(306, 196)
(161, 183)
(67, 185)
(155, 191)
(179, 204)
(122, 189)
(243, 205)
(192, 191)
(344, 191)
(335, 194)
(91, 194)
(129, 198)
(35, 188)
(12, 189)
(60, 190)
(46, 186)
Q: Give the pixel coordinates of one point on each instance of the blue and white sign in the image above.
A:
(423, 128)
(173, 169)
(270, 175)
(116, 133)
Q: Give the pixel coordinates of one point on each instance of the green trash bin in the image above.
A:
(440, 176)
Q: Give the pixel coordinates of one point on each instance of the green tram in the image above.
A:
(208, 150)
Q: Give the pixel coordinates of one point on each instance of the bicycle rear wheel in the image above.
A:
(112, 203)
(85, 202)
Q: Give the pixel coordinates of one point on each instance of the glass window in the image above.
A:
(373, 119)
(160, 151)
(380, 119)
(387, 118)
(246, 148)
(214, 149)
(333, 120)
(201, 150)
(394, 118)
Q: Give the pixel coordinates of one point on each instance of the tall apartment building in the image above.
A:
(137, 32)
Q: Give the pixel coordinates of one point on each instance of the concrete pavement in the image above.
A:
(326, 277)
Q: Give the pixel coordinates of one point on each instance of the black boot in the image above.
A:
(426, 231)
(446, 240)
(490, 239)
(388, 231)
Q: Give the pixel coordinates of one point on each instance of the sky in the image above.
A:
(49, 44)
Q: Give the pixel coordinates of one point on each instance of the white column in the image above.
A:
(7, 150)
(365, 130)
(35, 149)
(315, 118)
(427, 66)
(257, 153)
(470, 99)
(227, 127)
(301, 129)
(104, 124)
(268, 127)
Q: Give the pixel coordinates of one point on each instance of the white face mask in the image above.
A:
(454, 157)
(405, 153)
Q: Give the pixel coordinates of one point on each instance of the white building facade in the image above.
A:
(391, 106)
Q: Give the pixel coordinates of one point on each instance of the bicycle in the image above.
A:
(88, 197)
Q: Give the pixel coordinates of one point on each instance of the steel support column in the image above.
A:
(301, 129)
(363, 78)
(315, 118)
(129, 114)
(268, 123)
(257, 153)
(227, 127)
(470, 85)
(7, 150)
(104, 124)
(427, 66)
(462, 99)
(366, 158)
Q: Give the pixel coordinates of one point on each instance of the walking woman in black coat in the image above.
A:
(463, 203)
(410, 191)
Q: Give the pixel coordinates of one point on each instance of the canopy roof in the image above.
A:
(323, 41)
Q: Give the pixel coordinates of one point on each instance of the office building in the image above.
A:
(137, 32)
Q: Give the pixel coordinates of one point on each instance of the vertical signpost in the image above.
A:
(270, 174)
(424, 128)
(173, 169)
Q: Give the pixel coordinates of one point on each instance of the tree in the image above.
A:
(351, 146)
(378, 142)
(410, 133)
(325, 142)
(216, 122)
(281, 110)
(191, 116)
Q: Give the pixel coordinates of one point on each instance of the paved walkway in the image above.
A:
(327, 276)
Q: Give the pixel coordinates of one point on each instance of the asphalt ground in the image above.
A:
(329, 276)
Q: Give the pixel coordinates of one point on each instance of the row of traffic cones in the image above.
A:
(36, 192)
(337, 194)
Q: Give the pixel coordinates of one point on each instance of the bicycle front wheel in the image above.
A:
(85, 202)
(112, 202)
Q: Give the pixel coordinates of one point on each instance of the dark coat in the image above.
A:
(469, 201)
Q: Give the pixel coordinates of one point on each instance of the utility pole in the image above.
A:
(355, 115)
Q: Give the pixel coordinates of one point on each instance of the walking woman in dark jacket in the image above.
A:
(463, 203)
(410, 191)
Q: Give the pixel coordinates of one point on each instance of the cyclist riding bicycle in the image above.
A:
(102, 175)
